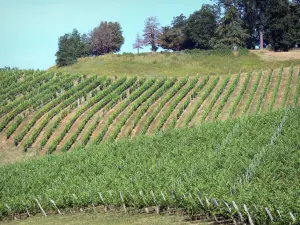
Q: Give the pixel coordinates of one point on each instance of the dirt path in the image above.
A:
(9, 153)
(240, 107)
(127, 126)
(34, 128)
(73, 129)
(282, 87)
(200, 111)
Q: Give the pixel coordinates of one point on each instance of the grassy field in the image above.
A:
(56, 112)
(175, 64)
(251, 161)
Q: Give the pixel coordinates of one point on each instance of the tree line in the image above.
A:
(105, 38)
(224, 24)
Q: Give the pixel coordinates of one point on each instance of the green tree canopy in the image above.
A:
(106, 38)
(230, 31)
(70, 47)
(279, 27)
(295, 24)
(201, 27)
(171, 38)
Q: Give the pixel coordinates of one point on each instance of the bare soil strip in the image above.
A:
(59, 129)
(155, 122)
(180, 105)
(257, 95)
(181, 121)
(283, 84)
(129, 123)
(197, 117)
(211, 114)
(144, 118)
(103, 120)
(239, 109)
(100, 114)
(117, 120)
(36, 143)
(270, 91)
(295, 80)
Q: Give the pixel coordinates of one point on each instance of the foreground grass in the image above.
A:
(104, 219)
(172, 64)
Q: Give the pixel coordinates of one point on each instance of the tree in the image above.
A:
(70, 47)
(106, 38)
(295, 24)
(201, 27)
(138, 44)
(279, 27)
(151, 33)
(179, 21)
(230, 31)
(171, 38)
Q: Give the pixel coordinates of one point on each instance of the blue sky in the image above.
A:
(30, 28)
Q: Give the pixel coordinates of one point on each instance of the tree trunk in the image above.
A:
(261, 37)
(294, 2)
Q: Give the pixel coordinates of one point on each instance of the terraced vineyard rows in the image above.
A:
(51, 112)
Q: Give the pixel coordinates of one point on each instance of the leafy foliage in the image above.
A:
(171, 38)
(279, 30)
(106, 38)
(230, 31)
(151, 32)
(70, 47)
(201, 27)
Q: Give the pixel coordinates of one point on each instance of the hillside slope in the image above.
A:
(178, 64)
(52, 112)
(238, 168)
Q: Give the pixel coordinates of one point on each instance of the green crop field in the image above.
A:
(222, 147)
(50, 112)
(239, 168)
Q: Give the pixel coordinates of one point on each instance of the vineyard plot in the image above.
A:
(46, 111)
(256, 166)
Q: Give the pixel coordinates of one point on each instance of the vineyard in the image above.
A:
(229, 150)
(244, 169)
(48, 112)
